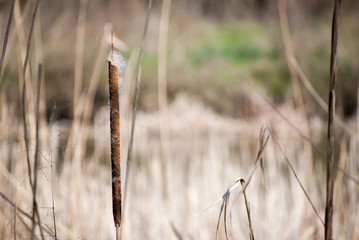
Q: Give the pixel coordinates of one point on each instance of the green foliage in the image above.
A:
(239, 44)
(245, 48)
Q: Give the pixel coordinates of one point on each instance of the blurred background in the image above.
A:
(214, 73)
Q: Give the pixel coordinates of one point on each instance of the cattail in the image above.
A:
(116, 64)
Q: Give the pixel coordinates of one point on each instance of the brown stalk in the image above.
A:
(35, 209)
(36, 157)
(251, 235)
(6, 36)
(115, 142)
(331, 113)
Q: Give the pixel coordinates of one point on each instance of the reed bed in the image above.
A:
(223, 149)
(183, 156)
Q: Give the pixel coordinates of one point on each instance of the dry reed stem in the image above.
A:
(331, 114)
(301, 134)
(137, 89)
(162, 93)
(116, 67)
(37, 143)
(28, 216)
(76, 134)
(134, 107)
(263, 140)
(35, 207)
(80, 40)
(52, 174)
(15, 222)
(175, 231)
(251, 234)
(357, 117)
(289, 52)
(30, 35)
(339, 181)
(297, 178)
(6, 36)
(89, 98)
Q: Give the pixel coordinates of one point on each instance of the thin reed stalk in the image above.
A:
(331, 115)
(301, 134)
(263, 140)
(30, 35)
(297, 92)
(134, 107)
(251, 234)
(116, 65)
(80, 40)
(162, 93)
(52, 174)
(75, 133)
(6, 36)
(297, 178)
(15, 213)
(37, 143)
(35, 207)
(19, 210)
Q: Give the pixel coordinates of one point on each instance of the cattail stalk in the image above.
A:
(116, 66)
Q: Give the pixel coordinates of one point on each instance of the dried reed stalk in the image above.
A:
(135, 105)
(80, 40)
(296, 177)
(162, 93)
(251, 235)
(52, 175)
(116, 65)
(25, 214)
(263, 140)
(305, 137)
(35, 206)
(331, 114)
(37, 144)
(6, 36)
(297, 92)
